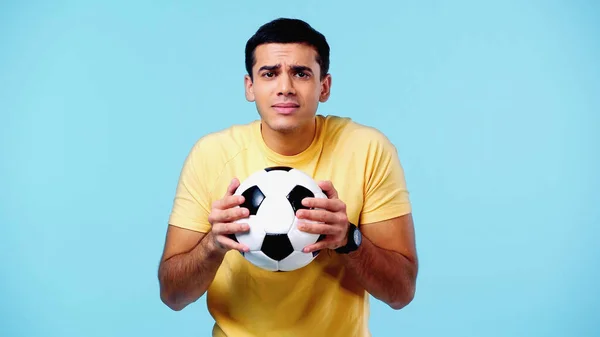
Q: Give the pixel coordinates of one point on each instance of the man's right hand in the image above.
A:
(222, 216)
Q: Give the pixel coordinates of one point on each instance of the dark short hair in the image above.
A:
(286, 30)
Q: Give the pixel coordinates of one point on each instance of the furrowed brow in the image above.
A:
(270, 68)
(301, 69)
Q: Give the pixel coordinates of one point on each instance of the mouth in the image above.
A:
(286, 108)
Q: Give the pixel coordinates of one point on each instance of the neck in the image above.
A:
(289, 143)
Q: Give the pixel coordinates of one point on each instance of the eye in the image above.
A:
(302, 74)
(268, 74)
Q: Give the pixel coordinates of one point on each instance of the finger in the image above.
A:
(328, 242)
(231, 244)
(229, 215)
(327, 188)
(233, 185)
(315, 228)
(228, 202)
(333, 205)
(224, 228)
(318, 215)
(225, 210)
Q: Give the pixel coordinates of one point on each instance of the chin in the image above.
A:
(286, 124)
(284, 127)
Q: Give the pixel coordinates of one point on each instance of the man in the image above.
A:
(356, 166)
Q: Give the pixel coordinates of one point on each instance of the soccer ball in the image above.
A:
(273, 195)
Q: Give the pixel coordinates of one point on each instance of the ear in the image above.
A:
(325, 89)
(248, 88)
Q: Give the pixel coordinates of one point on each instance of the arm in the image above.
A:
(386, 262)
(191, 259)
(189, 264)
(196, 240)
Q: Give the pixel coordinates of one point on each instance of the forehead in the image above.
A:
(285, 53)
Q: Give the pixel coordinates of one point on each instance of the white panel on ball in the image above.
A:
(259, 259)
(295, 260)
(275, 214)
(277, 184)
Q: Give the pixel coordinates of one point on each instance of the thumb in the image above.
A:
(327, 188)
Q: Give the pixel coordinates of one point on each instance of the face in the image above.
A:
(287, 86)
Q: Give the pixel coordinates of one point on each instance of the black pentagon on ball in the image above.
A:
(296, 195)
(253, 197)
(278, 168)
(277, 246)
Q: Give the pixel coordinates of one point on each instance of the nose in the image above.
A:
(286, 85)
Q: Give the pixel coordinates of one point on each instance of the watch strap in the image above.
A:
(350, 244)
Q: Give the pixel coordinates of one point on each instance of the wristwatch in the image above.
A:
(354, 240)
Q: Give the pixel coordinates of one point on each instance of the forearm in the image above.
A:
(185, 277)
(387, 275)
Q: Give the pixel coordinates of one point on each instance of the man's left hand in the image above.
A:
(331, 213)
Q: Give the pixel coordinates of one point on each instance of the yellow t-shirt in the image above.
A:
(319, 299)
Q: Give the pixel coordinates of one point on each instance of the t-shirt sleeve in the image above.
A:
(192, 204)
(385, 193)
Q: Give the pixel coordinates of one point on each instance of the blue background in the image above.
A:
(493, 107)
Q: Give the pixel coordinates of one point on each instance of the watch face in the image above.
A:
(357, 237)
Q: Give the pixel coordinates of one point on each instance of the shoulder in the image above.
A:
(351, 134)
(225, 143)
(211, 153)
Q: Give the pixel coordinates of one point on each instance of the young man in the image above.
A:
(369, 243)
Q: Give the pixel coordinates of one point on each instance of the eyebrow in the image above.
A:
(301, 69)
(295, 68)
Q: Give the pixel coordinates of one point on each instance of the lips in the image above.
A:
(286, 105)
(286, 108)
